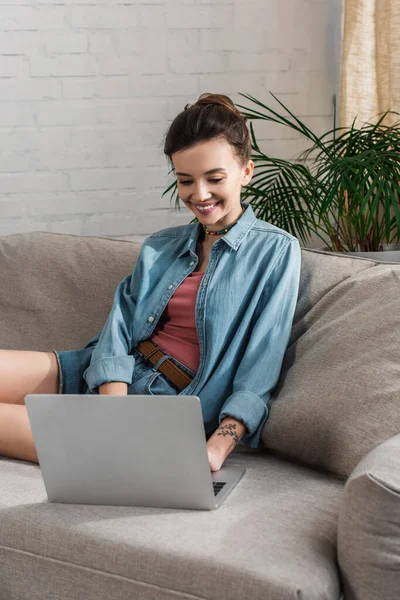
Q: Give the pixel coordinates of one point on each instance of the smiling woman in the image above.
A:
(212, 192)
(208, 308)
(208, 145)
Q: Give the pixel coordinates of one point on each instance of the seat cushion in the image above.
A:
(338, 395)
(273, 538)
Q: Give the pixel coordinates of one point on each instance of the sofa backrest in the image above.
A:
(338, 394)
(56, 289)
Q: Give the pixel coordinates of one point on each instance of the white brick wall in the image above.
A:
(88, 88)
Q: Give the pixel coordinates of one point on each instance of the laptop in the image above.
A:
(135, 450)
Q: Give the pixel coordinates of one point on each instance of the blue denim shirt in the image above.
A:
(244, 313)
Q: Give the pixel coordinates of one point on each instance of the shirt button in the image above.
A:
(150, 319)
(192, 263)
(170, 287)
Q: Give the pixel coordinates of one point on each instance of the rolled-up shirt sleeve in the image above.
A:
(110, 359)
(259, 369)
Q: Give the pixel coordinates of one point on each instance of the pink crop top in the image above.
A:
(176, 331)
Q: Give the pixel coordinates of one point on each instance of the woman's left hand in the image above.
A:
(224, 439)
(215, 459)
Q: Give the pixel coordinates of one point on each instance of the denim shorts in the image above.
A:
(146, 379)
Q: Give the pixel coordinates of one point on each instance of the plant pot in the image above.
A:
(385, 255)
(389, 247)
(389, 253)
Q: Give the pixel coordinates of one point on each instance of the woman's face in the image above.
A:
(209, 174)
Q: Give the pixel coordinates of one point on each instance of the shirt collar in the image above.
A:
(236, 235)
(233, 238)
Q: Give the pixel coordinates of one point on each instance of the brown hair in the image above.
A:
(212, 116)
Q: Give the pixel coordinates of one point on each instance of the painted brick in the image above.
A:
(152, 16)
(21, 139)
(36, 182)
(18, 162)
(122, 114)
(127, 42)
(283, 82)
(20, 18)
(104, 42)
(267, 130)
(67, 43)
(180, 41)
(230, 84)
(104, 17)
(152, 177)
(154, 86)
(138, 65)
(164, 86)
(13, 114)
(153, 199)
(237, 39)
(57, 113)
(64, 65)
(113, 224)
(144, 39)
(72, 203)
(99, 179)
(97, 2)
(199, 16)
(11, 66)
(27, 43)
(287, 149)
(247, 62)
(11, 208)
(319, 124)
(104, 87)
(176, 105)
(85, 159)
(138, 135)
(16, 90)
(197, 63)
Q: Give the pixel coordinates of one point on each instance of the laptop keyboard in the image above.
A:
(218, 485)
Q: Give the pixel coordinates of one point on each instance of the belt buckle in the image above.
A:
(169, 359)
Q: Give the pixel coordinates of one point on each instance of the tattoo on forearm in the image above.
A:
(228, 429)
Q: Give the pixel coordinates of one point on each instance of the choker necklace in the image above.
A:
(221, 231)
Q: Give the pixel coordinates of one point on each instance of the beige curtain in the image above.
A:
(370, 60)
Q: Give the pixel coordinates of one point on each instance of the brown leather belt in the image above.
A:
(152, 353)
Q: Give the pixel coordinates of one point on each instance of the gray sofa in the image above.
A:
(317, 515)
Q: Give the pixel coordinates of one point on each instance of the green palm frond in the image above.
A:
(344, 187)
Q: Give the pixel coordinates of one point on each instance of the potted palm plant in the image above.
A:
(344, 188)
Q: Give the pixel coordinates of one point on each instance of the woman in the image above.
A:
(207, 310)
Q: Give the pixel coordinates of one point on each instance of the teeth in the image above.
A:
(206, 207)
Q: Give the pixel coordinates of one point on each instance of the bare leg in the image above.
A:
(16, 440)
(21, 373)
(25, 372)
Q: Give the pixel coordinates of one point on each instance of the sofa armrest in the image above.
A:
(369, 526)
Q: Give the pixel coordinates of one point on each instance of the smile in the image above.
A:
(209, 208)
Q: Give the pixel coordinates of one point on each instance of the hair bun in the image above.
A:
(208, 99)
(212, 117)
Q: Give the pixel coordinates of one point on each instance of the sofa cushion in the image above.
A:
(338, 395)
(57, 289)
(369, 526)
(274, 537)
